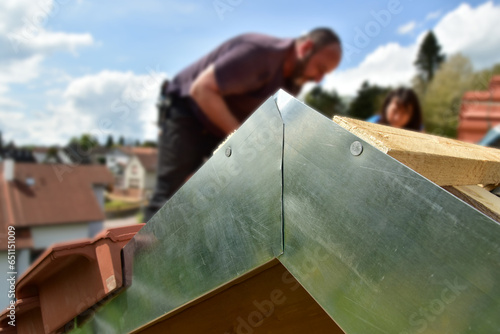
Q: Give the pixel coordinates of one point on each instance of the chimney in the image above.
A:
(494, 84)
(8, 169)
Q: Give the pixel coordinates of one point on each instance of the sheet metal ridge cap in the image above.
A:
(281, 98)
(277, 126)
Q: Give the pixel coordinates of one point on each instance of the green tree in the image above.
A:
(52, 155)
(85, 142)
(442, 100)
(110, 142)
(121, 141)
(429, 57)
(327, 103)
(368, 101)
(419, 86)
(149, 143)
(481, 79)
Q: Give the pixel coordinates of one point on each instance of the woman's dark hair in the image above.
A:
(406, 97)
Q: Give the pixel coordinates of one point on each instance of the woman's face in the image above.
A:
(398, 115)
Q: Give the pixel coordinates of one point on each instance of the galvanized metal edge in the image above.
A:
(224, 222)
(381, 248)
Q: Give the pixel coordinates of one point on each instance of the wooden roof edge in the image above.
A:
(429, 155)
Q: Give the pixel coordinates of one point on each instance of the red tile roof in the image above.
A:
(67, 279)
(149, 160)
(480, 111)
(148, 156)
(138, 150)
(59, 194)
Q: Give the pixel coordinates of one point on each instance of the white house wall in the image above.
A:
(99, 194)
(40, 156)
(150, 181)
(45, 236)
(134, 170)
(4, 284)
(64, 157)
(116, 157)
(22, 260)
(95, 228)
(22, 263)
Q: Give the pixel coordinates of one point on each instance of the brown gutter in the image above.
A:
(68, 279)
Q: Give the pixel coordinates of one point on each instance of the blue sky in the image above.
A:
(74, 66)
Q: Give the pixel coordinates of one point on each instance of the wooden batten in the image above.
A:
(268, 301)
(479, 198)
(444, 161)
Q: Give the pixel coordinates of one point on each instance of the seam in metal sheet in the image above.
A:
(278, 99)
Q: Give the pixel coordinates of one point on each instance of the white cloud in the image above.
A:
(473, 32)
(433, 15)
(407, 28)
(19, 71)
(23, 33)
(6, 104)
(25, 43)
(306, 88)
(173, 12)
(108, 102)
(13, 71)
(47, 42)
(390, 64)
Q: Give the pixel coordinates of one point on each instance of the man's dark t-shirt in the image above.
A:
(248, 70)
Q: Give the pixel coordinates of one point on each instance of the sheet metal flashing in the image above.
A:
(378, 246)
(224, 222)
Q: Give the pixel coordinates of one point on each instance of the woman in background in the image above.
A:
(401, 109)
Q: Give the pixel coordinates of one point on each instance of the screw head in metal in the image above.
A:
(228, 152)
(356, 148)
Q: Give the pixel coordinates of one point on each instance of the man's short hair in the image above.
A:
(322, 37)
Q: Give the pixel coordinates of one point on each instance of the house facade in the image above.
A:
(46, 204)
(140, 172)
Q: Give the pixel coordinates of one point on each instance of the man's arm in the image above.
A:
(205, 91)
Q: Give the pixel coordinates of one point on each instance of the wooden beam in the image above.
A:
(442, 160)
(479, 198)
(271, 301)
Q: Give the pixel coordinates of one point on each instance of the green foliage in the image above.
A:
(52, 155)
(419, 86)
(121, 141)
(116, 205)
(442, 99)
(110, 142)
(368, 101)
(140, 217)
(481, 79)
(85, 142)
(149, 143)
(429, 57)
(327, 103)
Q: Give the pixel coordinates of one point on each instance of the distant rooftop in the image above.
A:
(138, 150)
(41, 194)
(479, 112)
(148, 159)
